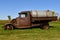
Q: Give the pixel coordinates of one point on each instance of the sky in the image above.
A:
(13, 7)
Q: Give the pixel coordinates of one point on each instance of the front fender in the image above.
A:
(6, 24)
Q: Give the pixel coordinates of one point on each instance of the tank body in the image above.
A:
(44, 13)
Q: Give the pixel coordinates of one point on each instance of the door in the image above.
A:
(24, 21)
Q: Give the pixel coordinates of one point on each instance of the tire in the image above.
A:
(9, 27)
(45, 26)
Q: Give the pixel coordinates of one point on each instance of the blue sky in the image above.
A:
(12, 7)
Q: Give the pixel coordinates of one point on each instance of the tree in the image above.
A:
(9, 17)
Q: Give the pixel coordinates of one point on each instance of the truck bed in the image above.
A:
(54, 18)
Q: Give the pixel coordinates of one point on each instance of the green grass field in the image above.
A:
(32, 34)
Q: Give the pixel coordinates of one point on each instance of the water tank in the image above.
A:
(43, 13)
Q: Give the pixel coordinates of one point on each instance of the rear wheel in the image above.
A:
(45, 26)
(9, 27)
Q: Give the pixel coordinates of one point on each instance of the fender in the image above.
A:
(7, 24)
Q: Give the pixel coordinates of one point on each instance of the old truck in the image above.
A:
(29, 19)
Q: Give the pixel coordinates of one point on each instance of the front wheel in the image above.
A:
(9, 27)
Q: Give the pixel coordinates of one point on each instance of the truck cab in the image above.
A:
(23, 21)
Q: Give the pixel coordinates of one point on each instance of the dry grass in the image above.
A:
(2, 22)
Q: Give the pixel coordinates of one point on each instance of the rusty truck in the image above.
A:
(29, 19)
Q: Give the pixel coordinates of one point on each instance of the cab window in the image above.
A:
(23, 15)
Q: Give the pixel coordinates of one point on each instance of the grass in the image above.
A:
(32, 34)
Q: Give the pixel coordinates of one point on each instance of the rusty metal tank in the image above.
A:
(42, 13)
